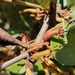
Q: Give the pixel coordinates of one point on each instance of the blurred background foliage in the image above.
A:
(16, 22)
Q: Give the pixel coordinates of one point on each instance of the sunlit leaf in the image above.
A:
(57, 43)
(70, 3)
(66, 55)
(15, 68)
(37, 67)
(73, 12)
(44, 3)
(22, 70)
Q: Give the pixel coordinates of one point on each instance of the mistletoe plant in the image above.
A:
(51, 51)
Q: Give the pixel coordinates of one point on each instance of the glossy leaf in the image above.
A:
(57, 43)
(66, 55)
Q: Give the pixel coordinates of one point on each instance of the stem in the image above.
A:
(7, 37)
(12, 61)
(43, 29)
(22, 3)
(28, 4)
(38, 39)
(64, 27)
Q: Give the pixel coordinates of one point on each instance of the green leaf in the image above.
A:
(73, 12)
(11, 13)
(70, 3)
(66, 55)
(37, 67)
(44, 3)
(57, 43)
(15, 68)
(64, 3)
(22, 70)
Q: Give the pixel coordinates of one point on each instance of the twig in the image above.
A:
(22, 56)
(43, 29)
(22, 3)
(38, 39)
(12, 61)
(7, 37)
(28, 4)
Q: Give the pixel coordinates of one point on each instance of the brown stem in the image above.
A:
(43, 29)
(38, 39)
(12, 61)
(7, 37)
(22, 3)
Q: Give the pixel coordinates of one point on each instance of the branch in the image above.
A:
(22, 3)
(14, 60)
(22, 56)
(4, 36)
(43, 29)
